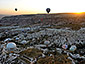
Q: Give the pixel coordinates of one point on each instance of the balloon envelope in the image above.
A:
(15, 9)
(47, 42)
(73, 48)
(11, 46)
(64, 46)
(24, 42)
(48, 10)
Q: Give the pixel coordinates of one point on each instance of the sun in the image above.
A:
(78, 12)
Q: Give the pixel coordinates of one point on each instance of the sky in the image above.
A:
(39, 6)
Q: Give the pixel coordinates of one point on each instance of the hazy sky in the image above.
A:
(39, 6)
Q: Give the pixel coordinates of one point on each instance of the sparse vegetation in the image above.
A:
(32, 52)
(58, 59)
(25, 60)
(72, 26)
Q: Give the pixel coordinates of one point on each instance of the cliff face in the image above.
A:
(60, 19)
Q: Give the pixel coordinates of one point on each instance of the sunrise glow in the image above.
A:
(78, 12)
(39, 6)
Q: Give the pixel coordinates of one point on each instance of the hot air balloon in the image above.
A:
(7, 40)
(73, 48)
(64, 46)
(23, 42)
(46, 42)
(11, 46)
(48, 10)
(15, 9)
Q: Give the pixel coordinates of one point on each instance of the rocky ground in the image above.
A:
(29, 32)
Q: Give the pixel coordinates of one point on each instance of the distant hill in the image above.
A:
(53, 19)
(2, 15)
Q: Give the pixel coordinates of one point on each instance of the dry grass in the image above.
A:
(32, 52)
(72, 26)
(58, 59)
